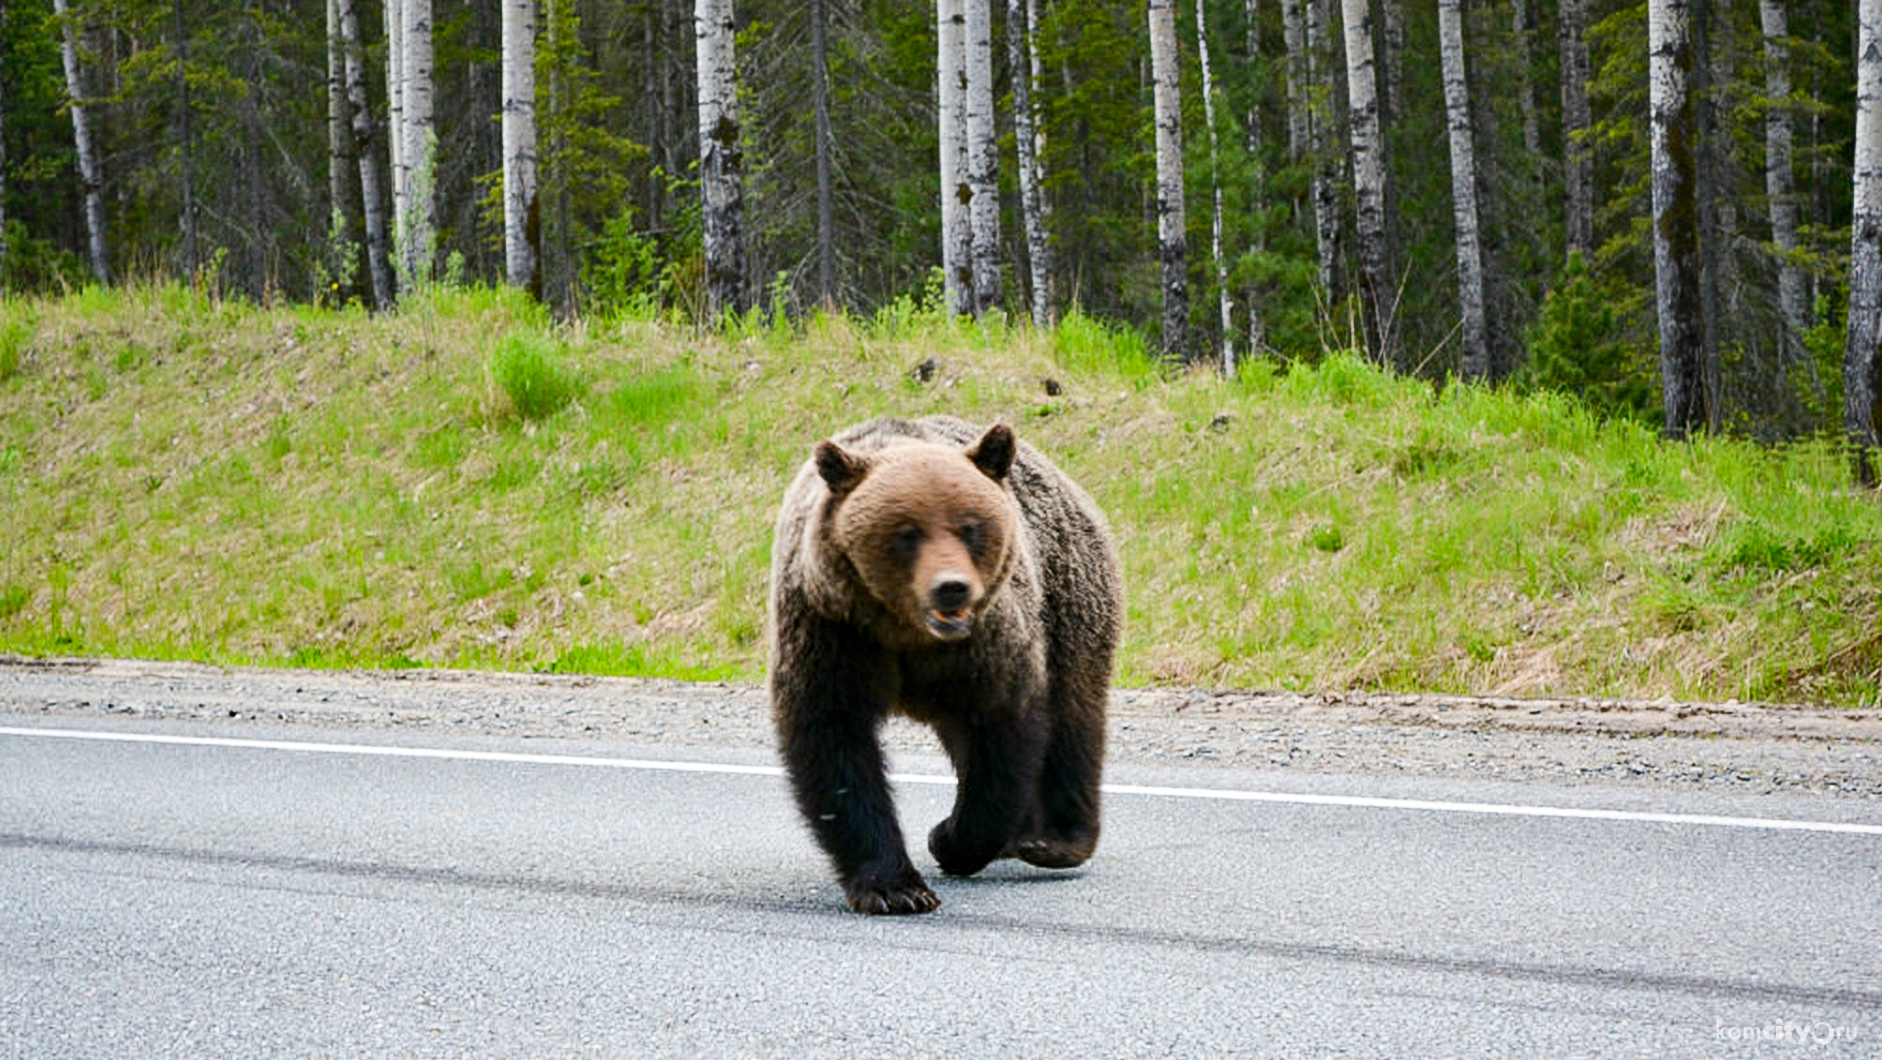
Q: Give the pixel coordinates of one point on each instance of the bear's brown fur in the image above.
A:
(957, 577)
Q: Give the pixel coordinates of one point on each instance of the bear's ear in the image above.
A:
(993, 453)
(842, 470)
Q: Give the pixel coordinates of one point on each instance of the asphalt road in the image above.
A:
(469, 896)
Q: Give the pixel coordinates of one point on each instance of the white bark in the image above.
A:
(1578, 156)
(1779, 183)
(983, 158)
(1675, 216)
(1476, 360)
(721, 160)
(339, 129)
(395, 117)
(371, 186)
(1224, 304)
(1294, 36)
(89, 173)
(957, 233)
(1023, 56)
(1328, 164)
(1368, 142)
(519, 144)
(1860, 412)
(1166, 76)
(420, 149)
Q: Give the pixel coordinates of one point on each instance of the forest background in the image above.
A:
(226, 422)
(213, 146)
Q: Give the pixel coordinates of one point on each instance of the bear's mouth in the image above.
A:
(950, 625)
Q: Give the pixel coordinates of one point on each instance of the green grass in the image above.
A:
(465, 483)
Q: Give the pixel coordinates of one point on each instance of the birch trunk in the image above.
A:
(1023, 56)
(1329, 166)
(1171, 218)
(826, 220)
(1294, 36)
(1860, 376)
(1578, 155)
(1779, 183)
(371, 186)
(1224, 305)
(521, 256)
(1375, 278)
(89, 173)
(721, 160)
(421, 140)
(983, 158)
(395, 120)
(1676, 217)
(957, 233)
(1476, 360)
(341, 171)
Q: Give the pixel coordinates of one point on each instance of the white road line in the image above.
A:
(1215, 794)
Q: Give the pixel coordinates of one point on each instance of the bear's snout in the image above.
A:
(950, 601)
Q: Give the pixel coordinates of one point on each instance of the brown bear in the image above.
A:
(958, 577)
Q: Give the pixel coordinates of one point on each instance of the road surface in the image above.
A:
(206, 890)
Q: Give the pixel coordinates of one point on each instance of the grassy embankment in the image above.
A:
(464, 484)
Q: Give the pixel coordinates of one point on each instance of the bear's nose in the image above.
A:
(950, 594)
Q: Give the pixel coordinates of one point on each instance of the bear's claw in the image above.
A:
(892, 900)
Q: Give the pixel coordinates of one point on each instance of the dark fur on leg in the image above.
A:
(827, 723)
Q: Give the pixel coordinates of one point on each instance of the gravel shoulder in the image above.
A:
(1744, 747)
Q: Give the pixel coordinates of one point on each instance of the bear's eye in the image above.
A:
(905, 543)
(973, 535)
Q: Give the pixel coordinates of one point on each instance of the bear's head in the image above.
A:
(929, 528)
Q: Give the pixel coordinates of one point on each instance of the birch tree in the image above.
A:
(420, 136)
(983, 159)
(957, 233)
(1224, 303)
(1166, 78)
(1476, 361)
(1675, 217)
(89, 173)
(1577, 117)
(1328, 212)
(342, 161)
(1023, 57)
(397, 166)
(1861, 417)
(721, 160)
(1780, 185)
(372, 192)
(521, 255)
(820, 102)
(1298, 77)
(1368, 142)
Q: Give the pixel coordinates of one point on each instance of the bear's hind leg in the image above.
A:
(1063, 831)
(996, 763)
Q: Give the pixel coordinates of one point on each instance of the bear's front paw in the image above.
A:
(896, 894)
